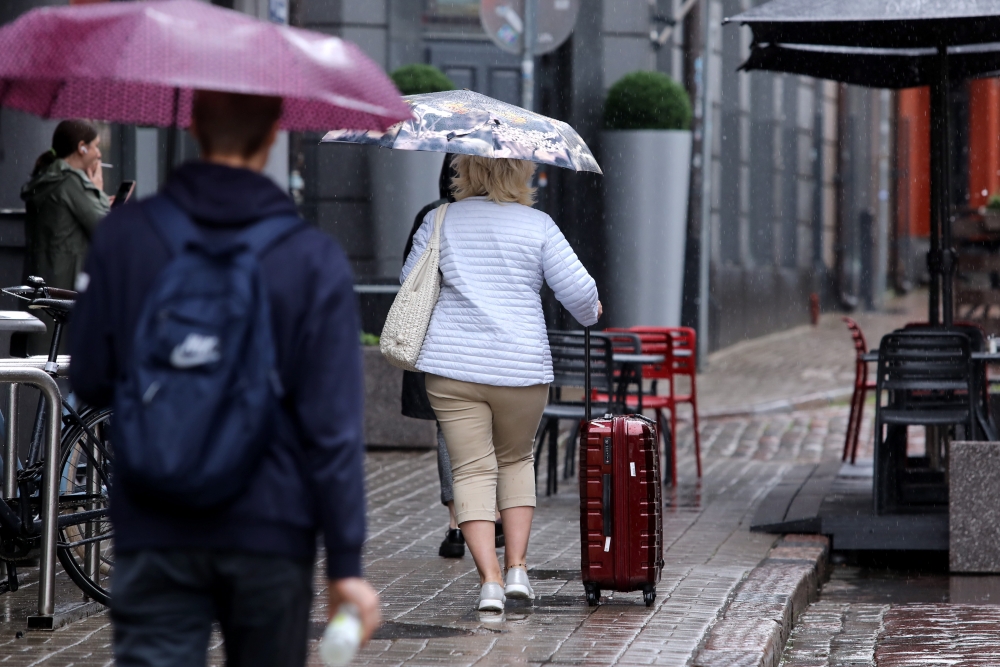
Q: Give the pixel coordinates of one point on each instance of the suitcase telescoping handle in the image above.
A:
(606, 479)
(586, 373)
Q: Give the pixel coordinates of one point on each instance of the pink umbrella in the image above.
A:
(138, 62)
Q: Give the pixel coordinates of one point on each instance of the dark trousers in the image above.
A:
(163, 605)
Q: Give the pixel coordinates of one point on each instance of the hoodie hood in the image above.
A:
(214, 194)
(49, 179)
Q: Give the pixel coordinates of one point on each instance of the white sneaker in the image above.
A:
(491, 597)
(517, 586)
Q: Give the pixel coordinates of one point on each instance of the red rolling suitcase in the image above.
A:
(621, 508)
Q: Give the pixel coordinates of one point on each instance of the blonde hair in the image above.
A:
(502, 180)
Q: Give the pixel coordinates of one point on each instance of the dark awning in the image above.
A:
(875, 68)
(891, 24)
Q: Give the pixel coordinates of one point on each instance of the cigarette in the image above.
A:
(106, 165)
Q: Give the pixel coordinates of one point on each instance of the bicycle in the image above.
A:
(85, 545)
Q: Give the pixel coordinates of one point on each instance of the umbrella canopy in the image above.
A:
(875, 68)
(138, 62)
(462, 121)
(889, 24)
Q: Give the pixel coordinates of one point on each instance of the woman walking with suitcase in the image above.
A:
(486, 354)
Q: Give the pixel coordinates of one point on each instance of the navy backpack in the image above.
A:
(201, 395)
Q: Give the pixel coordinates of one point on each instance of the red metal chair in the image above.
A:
(861, 387)
(679, 347)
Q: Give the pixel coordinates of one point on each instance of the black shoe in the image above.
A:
(453, 545)
(500, 542)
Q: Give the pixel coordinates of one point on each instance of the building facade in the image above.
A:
(800, 180)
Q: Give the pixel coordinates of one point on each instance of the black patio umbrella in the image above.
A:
(888, 44)
(875, 68)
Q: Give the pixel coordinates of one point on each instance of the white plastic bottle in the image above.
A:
(342, 637)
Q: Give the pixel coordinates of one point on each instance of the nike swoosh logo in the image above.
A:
(195, 350)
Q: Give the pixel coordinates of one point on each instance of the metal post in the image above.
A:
(947, 264)
(528, 55)
(705, 240)
(939, 107)
(10, 446)
(50, 488)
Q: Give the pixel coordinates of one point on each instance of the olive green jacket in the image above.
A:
(63, 209)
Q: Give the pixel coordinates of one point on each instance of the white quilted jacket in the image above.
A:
(488, 325)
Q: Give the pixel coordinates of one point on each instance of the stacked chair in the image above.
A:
(926, 377)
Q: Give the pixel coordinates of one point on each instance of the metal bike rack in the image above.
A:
(19, 371)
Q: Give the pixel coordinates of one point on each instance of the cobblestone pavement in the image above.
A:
(799, 362)
(428, 602)
(900, 617)
(897, 622)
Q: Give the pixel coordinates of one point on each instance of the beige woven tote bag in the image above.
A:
(406, 325)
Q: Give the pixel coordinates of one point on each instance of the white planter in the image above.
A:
(403, 182)
(646, 178)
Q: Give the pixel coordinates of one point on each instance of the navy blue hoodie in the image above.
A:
(311, 482)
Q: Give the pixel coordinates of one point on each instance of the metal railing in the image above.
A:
(31, 371)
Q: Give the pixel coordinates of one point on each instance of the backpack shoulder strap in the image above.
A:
(171, 223)
(261, 235)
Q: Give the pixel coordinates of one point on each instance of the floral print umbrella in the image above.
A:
(462, 121)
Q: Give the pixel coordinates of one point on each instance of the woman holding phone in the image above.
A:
(64, 200)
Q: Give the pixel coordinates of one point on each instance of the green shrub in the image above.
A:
(369, 340)
(647, 101)
(416, 79)
(993, 203)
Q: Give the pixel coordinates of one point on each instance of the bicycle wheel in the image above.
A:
(86, 548)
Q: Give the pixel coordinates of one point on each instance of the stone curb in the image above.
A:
(806, 402)
(758, 620)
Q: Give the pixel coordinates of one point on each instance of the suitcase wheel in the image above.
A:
(593, 594)
(649, 595)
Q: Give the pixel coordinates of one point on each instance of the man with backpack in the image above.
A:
(224, 330)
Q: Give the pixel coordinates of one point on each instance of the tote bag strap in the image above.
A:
(433, 246)
(439, 213)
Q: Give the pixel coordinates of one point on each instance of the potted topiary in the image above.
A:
(991, 213)
(646, 158)
(403, 182)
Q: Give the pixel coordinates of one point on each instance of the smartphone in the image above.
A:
(124, 192)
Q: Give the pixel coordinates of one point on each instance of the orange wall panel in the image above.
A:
(913, 156)
(984, 140)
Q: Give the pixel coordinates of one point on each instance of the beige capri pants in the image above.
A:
(490, 434)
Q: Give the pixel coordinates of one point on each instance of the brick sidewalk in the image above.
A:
(801, 361)
(428, 602)
(897, 619)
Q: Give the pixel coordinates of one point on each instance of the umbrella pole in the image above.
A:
(171, 156)
(941, 262)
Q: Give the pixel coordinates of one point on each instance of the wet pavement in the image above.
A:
(897, 615)
(428, 602)
(801, 362)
